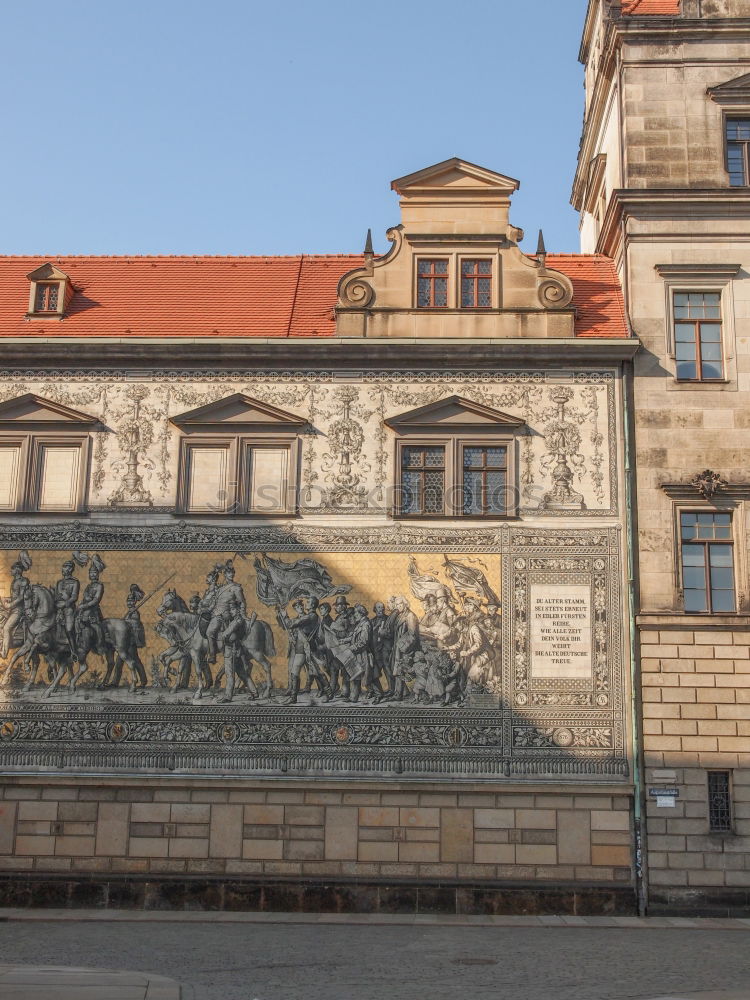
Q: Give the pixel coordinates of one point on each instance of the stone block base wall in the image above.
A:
(696, 718)
(235, 829)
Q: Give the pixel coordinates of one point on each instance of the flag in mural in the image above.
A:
(470, 578)
(424, 584)
(279, 582)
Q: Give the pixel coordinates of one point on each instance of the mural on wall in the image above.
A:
(566, 453)
(258, 627)
(300, 648)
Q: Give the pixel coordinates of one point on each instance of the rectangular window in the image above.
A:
(432, 284)
(46, 297)
(484, 480)
(59, 477)
(707, 562)
(738, 151)
(476, 284)
(697, 336)
(208, 481)
(237, 475)
(10, 467)
(719, 802)
(268, 478)
(422, 479)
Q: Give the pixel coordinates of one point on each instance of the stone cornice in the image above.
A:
(330, 353)
(669, 203)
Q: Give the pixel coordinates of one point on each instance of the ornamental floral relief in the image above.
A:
(566, 449)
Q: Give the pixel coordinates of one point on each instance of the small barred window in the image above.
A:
(432, 284)
(46, 297)
(476, 284)
(719, 802)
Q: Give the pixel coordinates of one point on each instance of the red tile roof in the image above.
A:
(597, 293)
(638, 8)
(239, 296)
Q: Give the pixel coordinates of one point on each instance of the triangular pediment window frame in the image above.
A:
(236, 413)
(736, 91)
(30, 411)
(454, 414)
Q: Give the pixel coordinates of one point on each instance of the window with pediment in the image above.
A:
(50, 291)
(238, 456)
(44, 456)
(455, 458)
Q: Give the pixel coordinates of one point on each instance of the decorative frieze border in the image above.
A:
(514, 739)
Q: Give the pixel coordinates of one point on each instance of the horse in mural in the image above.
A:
(189, 646)
(45, 638)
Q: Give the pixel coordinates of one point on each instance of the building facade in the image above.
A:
(663, 189)
(315, 574)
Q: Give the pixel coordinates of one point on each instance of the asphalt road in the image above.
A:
(330, 962)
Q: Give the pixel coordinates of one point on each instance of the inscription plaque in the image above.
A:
(561, 631)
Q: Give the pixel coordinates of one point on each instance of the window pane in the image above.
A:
(441, 291)
(473, 457)
(441, 267)
(434, 457)
(485, 267)
(738, 128)
(58, 477)
(721, 556)
(410, 501)
(208, 487)
(722, 600)
(694, 577)
(711, 370)
(483, 297)
(495, 499)
(433, 492)
(695, 601)
(269, 475)
(693, 555)
(686, 369)
(10, 462)
(467, 293)
(711, 333)
(411, 458)
(711, 352)
(685, 352)
(496, 458)
(472, 492)
(684, 332)
(424, 288)
(687, 524)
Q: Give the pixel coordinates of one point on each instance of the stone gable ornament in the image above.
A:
(708, 483)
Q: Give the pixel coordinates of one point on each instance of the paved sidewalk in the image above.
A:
(299, 956)
(372, 919)
(29, 982)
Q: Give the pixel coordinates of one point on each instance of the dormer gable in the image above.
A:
(238, 413)
(50, 292)
(454, 413)
(455, 196)
(732, 92)
(455, 269)
(32, 412)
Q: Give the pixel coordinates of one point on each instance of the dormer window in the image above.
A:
(47, 296)
(476, 284)
(50, 292)
(432, 283)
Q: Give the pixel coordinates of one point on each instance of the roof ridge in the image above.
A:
(178, 256)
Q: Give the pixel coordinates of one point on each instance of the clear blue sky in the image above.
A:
(262, 127)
